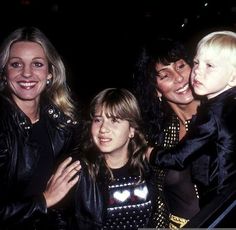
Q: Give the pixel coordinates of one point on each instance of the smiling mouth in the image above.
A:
(103, 140)
(183, 89)
(27, 85)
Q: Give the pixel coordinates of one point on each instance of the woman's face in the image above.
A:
(173, 82)
(27, 71)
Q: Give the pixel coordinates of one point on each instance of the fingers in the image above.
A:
(62, 181)
(63, 165)
(72, 182)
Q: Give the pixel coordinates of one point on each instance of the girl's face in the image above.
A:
(211, 73)
(173, 82)
(27, 71)
(111, 135)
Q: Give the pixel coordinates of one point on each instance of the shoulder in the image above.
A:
(57, 116)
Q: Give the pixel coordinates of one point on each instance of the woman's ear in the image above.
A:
(159, 94)
(49, 76)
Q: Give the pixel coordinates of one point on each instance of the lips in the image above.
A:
(183, 89)
(27, 85)
(196, 83)
(104, 139)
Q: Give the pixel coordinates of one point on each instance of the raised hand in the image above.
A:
(62, 181)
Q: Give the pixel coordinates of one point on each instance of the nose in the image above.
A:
(178, 77)
(104, 128)
(26, 71)
(196, 71)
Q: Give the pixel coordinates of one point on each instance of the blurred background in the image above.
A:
(99, 40)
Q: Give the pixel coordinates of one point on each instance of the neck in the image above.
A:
(30, 108)
(115, 162)
(185, 112)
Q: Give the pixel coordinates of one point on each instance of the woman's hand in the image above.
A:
(61, 182)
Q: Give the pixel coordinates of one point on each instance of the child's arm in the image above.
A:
(201, 134)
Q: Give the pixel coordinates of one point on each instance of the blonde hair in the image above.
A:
(221, 42)
(57, 91)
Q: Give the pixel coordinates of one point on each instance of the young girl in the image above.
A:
(211, 141)
(116, 188)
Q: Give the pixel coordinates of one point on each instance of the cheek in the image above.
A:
(187, 73)
(93, 130)
(164, 87)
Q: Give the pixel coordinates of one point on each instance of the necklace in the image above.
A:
(35, 121)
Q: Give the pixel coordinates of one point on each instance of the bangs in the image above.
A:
(114, 110)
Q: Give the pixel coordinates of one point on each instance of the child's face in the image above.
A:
(111, 135)
(211, 73)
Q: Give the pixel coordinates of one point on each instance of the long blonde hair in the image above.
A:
(57, 91)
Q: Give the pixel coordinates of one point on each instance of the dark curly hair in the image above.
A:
(154, 112)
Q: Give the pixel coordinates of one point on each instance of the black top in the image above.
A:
(179, 190)
(210, 145)
(129, 204)
(45, 159)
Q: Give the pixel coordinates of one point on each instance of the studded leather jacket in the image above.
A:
(17, 161)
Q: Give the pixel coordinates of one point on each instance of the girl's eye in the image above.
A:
(114, 119)
(96, 120)
(195, 62)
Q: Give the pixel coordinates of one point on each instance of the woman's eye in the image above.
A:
(15, 64)
(162, 76)
(38, 64)
(180, 67)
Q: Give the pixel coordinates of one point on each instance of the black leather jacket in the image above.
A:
(17, 161)
(210, 145)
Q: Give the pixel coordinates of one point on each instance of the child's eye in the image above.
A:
(209, 65)
(114, 119)
(195, 62)
(96, 119)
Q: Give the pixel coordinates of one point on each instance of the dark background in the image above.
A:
(99, 40)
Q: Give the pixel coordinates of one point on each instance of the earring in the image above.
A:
(160, 99)
(4, 80)
(47, 82)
